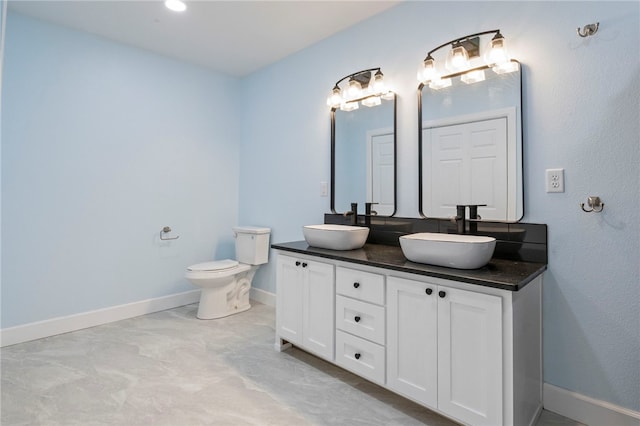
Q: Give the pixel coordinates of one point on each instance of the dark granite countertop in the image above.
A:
(499, 273)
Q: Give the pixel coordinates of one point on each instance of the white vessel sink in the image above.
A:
(335, 237)
(450, 250)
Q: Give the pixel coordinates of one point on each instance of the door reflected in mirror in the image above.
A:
(364, 158)
(470, 143)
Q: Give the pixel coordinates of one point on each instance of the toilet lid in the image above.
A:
(216, 265)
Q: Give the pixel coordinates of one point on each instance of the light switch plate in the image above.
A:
(324, 189)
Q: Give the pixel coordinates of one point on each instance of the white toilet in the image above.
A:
(226, 283)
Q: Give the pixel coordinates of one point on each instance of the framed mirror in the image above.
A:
(363, 157)
(470, 145)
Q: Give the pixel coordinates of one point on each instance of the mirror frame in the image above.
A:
(395, 157)
(420, 153)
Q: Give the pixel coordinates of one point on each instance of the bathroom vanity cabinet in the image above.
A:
(304, 303)
(453, 341)
(445, 348)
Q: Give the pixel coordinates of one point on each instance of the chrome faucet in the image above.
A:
(353, 213)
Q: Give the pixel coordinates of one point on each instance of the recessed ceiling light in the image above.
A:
(176, 5)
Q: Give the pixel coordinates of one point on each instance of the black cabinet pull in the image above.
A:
(297, 263)
(356, 285)
(304, 265)
(357, 319)
(357, 356)
(442, 294)
(428, 291)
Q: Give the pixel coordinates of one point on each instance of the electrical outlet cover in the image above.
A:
(554, 180)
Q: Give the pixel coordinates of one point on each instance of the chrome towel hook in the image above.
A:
(588, 30)
(595, 203)
(166, 230)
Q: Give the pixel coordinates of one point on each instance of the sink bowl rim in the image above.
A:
(449, 250)
(449, 238)
(336, 227)
(336, 237)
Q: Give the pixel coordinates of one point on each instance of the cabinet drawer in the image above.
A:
(360, 356)
(365, 286)
(362, 319)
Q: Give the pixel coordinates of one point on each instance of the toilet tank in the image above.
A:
(252, 244)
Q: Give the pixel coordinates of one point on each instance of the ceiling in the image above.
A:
(234, 37)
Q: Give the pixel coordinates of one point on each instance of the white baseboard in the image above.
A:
(587, 410)
(263, 296)
(51, 327)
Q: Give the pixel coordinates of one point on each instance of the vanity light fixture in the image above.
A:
(354, 90)
(349, 106)
(428, 70)
(363, 86)
(175, 5)
(440, 83)
(463, 59)
(496, 52)
(371, 101)
(458, 58)
(473, 76)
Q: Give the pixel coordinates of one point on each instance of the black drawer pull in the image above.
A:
(357, 319)
(357, 356)
(429, 291)
(297, 263)
(356, 285)
(442, 294)
(304, 265)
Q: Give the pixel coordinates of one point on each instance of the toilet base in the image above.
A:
(228, 299)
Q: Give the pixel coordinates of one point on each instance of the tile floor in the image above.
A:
(168, 368)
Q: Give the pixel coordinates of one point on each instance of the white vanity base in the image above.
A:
(469, 352)
(282, 345)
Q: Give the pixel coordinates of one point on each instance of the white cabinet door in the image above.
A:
(289, 298)
(318, 308)
(305, 309)
(412, 330)
(470, 356)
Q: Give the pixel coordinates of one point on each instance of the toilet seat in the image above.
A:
(216, 269)
(214, 266)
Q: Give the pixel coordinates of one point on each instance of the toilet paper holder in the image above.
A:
(166, 230)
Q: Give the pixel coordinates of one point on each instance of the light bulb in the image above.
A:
(175, 5)
(428, 71)
(458, 59)
(378, 83)
(335, 99)
(354, 91)
(496, 52)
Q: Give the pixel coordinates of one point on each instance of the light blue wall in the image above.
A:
(102, 146)
(581, 113)
(94, 163)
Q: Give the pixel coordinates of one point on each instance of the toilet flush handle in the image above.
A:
(166, 230)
